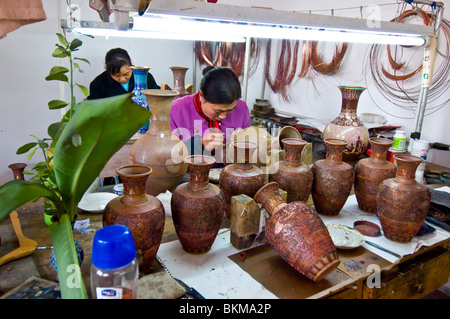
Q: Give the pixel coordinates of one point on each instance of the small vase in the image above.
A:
(17, 170)
(241, 177)
(347, 126)
(403, 203)
(143, 214)
(197, 207)
(140, 83)
(179, 74)
(333, 179)
(298, 234)
(159, 148)
(291, 175)
(370, 172)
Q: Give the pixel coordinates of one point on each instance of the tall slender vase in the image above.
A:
(370, 172)
(293, 176)
(197, 207)
(241, 177)
(140, 83)
(143, 214)
(403, 203)
(347, 126)
(159, 148)
(179, 74)
(333, 179)
(298, 234)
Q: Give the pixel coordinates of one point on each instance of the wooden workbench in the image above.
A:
(414, 276)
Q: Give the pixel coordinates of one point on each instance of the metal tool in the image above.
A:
(383, 249)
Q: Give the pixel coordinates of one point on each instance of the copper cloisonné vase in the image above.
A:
(179, 86)
(140, 83)
(370, 172)
(197, 207)
(17, 170)
(291, 175)
(403, 203)
(241, 177)
(159, 148)
(347, 126)
(333, 179)
(143, 214)
(298, 234)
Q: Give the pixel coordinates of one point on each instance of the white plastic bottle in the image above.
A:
(114, 270)
(399, 140)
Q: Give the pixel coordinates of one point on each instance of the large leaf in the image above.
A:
(96, 131)
(15, 193)
(69, 272)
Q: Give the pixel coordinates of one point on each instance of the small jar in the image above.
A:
(114, 270)
(399, 140)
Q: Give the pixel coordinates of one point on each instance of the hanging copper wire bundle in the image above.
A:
(228, 54)
(317, 63)
(286, 67)
(403, 90)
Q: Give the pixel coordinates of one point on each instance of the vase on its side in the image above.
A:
(403, 203)
(370, 172)
(140, 83)
(159, 148)
(298, 234)
(347, 126)
(179, 74)
(143, 214)
(291, 175)
(333, 179)
(241, 177)
(197, 207)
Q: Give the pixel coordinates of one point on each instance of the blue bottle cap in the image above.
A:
(113, 247)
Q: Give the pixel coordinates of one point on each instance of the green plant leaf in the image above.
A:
(75, 44)
(57, 104)
(83, 59)
(25, 148)
(69, 272)
(83, 89)
(54, 130)
(60, 52)
(97, 130)
(57, 73)
(15, 193)
(62, 39)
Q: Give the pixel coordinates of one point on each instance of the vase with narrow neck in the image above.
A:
(143, 214)
(159, 148)
(291, 175)
(333, 179)
(17, 170)
(298, 234)
(241, 177)
(197, 207)
(370, 172)
(403, 203)
(179, 74)
(140, 83)
(347, 126)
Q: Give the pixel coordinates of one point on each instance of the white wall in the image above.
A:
(26, 60)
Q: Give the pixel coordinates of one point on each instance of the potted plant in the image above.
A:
(81, 146)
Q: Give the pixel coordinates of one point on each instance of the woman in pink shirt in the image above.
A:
(207, 119)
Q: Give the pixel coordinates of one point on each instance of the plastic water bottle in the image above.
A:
(114, 270)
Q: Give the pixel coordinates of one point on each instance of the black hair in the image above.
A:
(220, 86)
(115, 59)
